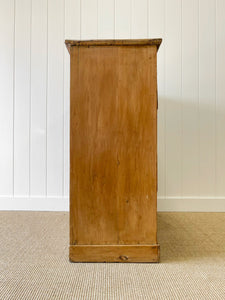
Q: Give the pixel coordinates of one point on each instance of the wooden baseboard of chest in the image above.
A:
(114, 253)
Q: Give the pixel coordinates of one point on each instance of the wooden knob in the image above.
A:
(123, 257)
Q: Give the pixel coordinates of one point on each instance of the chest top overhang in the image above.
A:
(95, 43)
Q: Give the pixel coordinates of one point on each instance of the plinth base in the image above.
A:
(114, 253)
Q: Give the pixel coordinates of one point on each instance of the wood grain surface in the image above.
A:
(113, 146)
(131, 42)
(114, 253)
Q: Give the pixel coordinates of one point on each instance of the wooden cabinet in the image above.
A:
(113, 150)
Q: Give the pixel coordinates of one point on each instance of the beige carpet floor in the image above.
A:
(34, 261)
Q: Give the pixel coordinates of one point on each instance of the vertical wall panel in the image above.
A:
(72, 19)
(172, 99)
(106, 16)
(89, 19)
(123, 19)
(156, 29)
(55, 103)
(38, 98)
(34, 90)
(72, 31)
(190, 125)
(6, 95)
(207, 96)
(139, 19)
(220, 98)
(22, 97)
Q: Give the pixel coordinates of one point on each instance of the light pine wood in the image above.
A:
(94, 43)
(114, 253)
(113, 151)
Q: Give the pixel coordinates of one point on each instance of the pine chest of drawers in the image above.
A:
(113, 150)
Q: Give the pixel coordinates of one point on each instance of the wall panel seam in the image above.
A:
(29, 188)
(46, 112)
(215, 108)
(63, 106)
(13, 112)
(80, 19)
(181, 97)
(165, 105)
(198, 96)
(114, 19)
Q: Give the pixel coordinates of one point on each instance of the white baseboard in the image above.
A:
(56, 203)
(192, 204)
(37, 203)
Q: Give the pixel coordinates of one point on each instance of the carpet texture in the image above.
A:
(34, 261)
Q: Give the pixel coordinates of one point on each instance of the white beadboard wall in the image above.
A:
(34, 96)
